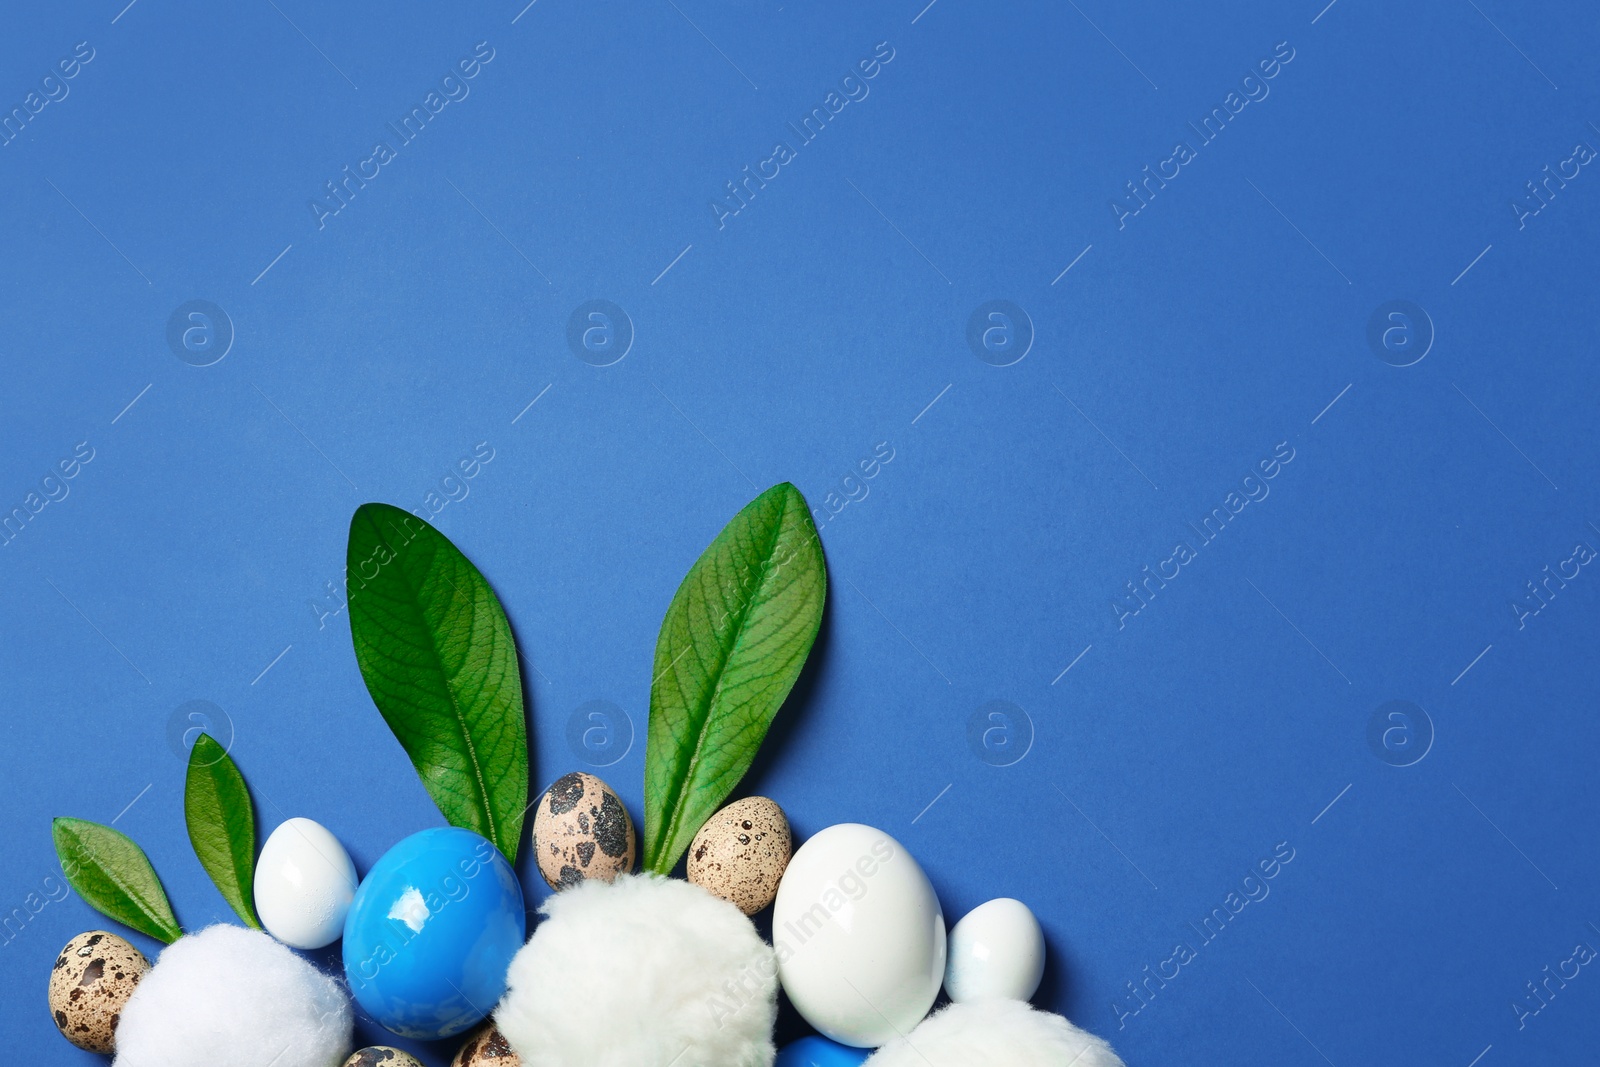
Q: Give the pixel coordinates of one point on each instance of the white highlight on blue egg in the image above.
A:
(410, 909)
(304, 884)
(996, 953)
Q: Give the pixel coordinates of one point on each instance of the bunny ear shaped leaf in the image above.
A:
(734, 639)
(114, 876)
(440, 662)
(222, 825)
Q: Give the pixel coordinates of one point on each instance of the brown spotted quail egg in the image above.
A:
(486, 1047)
(381, 1056)
(91, 982)
(581, 831)
(741, 853)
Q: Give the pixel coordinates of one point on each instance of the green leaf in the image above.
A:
(114, 876)
(222, 825)
(732, 644)
(440, 662)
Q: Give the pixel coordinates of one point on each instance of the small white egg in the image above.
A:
(304, 884)
(996, 953)
(859, 935)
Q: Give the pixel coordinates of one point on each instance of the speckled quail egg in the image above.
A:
(486, 1047)
(381, 1056)
(91, 982)
(581, 831)
(741, 852)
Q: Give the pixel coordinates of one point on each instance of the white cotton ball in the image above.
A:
(995, 1033)
(228, 995)
(642, 970)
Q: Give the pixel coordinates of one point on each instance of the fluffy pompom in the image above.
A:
(235, 996)
(995, 1033)
(642, 970)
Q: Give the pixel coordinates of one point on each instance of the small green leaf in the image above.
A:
(732, 644)
(114, 876)
(222, 825)
(441, 664)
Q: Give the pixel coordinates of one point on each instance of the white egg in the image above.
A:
(859, 935)
(996, 953)
(304, 884)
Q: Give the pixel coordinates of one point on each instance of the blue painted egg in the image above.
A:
(431, 932)
(820, 1052)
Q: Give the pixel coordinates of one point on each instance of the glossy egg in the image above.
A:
(820, 1052)
(859, 935)
(996, 953)
(381, 1056)
(581, 830)
(486, 1047)
(431, 932)
(741, 852)
(304, 884)
(93, 977)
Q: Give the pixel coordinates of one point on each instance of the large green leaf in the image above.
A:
(734, 639)
(440, 662)
(222, 825)
(114, 876)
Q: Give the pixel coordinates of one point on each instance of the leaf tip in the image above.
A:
(200, 753)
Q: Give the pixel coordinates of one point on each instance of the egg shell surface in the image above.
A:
(581, 830)
(820, 1052)
(304, 884)
(741, 852)
(486, 1047)
(431, 933)
(93, 977)
(996, 953)
(859, 934)
(381, 1056)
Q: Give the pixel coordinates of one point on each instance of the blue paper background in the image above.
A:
(1166, 752)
